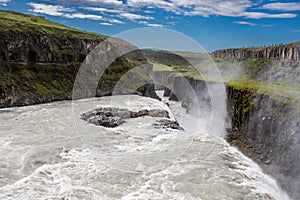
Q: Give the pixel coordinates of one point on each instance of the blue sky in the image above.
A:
(215, 24)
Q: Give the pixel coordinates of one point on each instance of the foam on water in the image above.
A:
(44, 155)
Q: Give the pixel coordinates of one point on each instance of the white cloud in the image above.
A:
(114, 3)
(4, 2)
(207, 8)
(84, 16)
(165, 5)
(106, 24)
(57, 10)
(54, 10)
(293, 6)
(149, 11)
(150, 24)
(172, 23)
(109, 10)
(134, 17)
(103, 10)
(197, 7)
(259, 15)
(109, 2)
(93, 17)
(245, 23)
(115, 21)
(155, 25)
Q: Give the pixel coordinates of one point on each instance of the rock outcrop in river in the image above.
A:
(111, 117)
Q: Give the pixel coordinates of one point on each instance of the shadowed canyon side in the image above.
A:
(40, 59)
(266, 128)
(262, 104)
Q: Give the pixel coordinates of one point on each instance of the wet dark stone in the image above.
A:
(106, 121)
(113, 117)
(166, 123)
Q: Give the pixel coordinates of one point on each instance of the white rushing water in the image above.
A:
(48, 152)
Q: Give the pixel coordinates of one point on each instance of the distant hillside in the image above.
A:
(39, 60)
(11, 21)
(165, 58)
(267, 68)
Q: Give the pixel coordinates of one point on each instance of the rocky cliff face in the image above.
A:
(283, 52)
(264, 126)
(193, 94)
(36, 48)
(269, 128)
(38, 68)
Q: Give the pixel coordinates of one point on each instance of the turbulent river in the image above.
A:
(48, 152)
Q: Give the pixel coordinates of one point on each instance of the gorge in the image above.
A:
(39, 63)
(262, 104)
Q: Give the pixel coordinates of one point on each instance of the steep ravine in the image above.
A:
(264, 126)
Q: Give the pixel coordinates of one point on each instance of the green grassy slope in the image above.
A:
(19, 22)
(260, 74)
(39, 60)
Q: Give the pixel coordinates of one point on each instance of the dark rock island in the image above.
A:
(113, 117)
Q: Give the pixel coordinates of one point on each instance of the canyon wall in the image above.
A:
(266, 127)
(263, 125)
(37, 48)
(194, 94)
(282, 52)
(41, 65)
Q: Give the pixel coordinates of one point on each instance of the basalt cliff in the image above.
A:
(262, 97)
(280, 52)
(39, 61)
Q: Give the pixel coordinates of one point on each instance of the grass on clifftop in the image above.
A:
(261, 48)
(19, 22)
(265, 76)
(160, 67)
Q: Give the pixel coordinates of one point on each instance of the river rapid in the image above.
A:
(48, 152)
